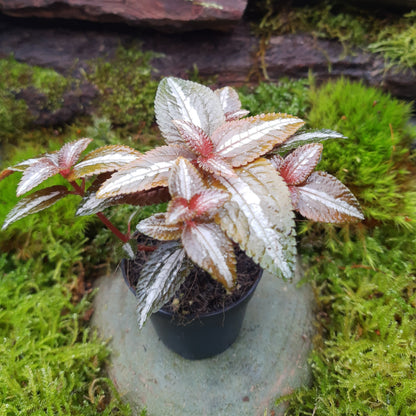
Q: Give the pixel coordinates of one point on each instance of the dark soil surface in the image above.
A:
(200, 293)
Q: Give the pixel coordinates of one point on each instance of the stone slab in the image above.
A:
(170, 15)
(269, 359)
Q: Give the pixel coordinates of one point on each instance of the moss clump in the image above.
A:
(286, 96)
(126, 90)
(397, 43)
(373, 161)
(365, 282)
(50, 362)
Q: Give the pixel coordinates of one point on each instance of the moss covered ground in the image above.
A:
(364, 356)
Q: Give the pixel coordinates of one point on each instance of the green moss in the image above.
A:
(372, 161)
(15, 77)
(50, 362)
(364, 359)
(397, 43)
(388, 34)
(286, 96)
(126, 89)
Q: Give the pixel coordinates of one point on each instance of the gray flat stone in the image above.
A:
(269, 358)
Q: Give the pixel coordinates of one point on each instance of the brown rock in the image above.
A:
(162, 14)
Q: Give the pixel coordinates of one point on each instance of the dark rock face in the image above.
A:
(230, 57)
(162, 14)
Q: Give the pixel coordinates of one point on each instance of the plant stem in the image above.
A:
(121, 236)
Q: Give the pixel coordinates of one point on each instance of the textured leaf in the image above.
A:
(156, 227)
(314, 136)
(299, 164)
(230, 103)
(6, 172)
(185, 181)
(244, 140)
(259, 217)
(90, 204)
(150, 170)
(178, 99)
(104, 159)
(195, 137)
(70, 152)
(178, 211)
(35, 202)
(276, 161)
(35, 174)
(324, 198)
(216, 164)
(208, 247)
(161, 277)
(202, 205)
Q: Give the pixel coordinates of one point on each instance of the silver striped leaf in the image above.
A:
(299, 164)
(35, 174)
(70, 152)
(157, 227)
(230, 102)
(178, 99)
(150, 170)
(259, 217)
(208, 247)
(313, 136)
(185, 181)
(242, 141)
(104, 159)
(324, 198)
(161, 277)
(35, 202)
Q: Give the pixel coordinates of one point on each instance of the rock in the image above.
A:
(162, 14)
(75, 102)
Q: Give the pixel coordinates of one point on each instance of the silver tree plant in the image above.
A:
(229, 179)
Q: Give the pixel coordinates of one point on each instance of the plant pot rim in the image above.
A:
(196, 316)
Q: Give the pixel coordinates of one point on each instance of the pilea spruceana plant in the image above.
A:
(230, 180)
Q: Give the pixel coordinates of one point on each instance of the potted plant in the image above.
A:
(233, 184)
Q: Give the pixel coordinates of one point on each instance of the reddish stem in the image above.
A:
(123, 237)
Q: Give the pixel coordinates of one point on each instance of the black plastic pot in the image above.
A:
(203, 336)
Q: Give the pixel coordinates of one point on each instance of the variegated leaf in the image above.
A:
(161, 277)
(208, 202)
(70, 152)
(156, 227)
(314, 136)
(324, 198)
(104, 159)
(90, 204)
(6, 172)
(299, 164)
(195, 137)
(185, 181)
(244, 140)
(276, 161)
(35, 202)
(208, 247)
(259, 217)
(215, 164)
(149, 171)
(230, 103)
(178, 211)
(35, 174)
(204, 204)
(178, 99)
